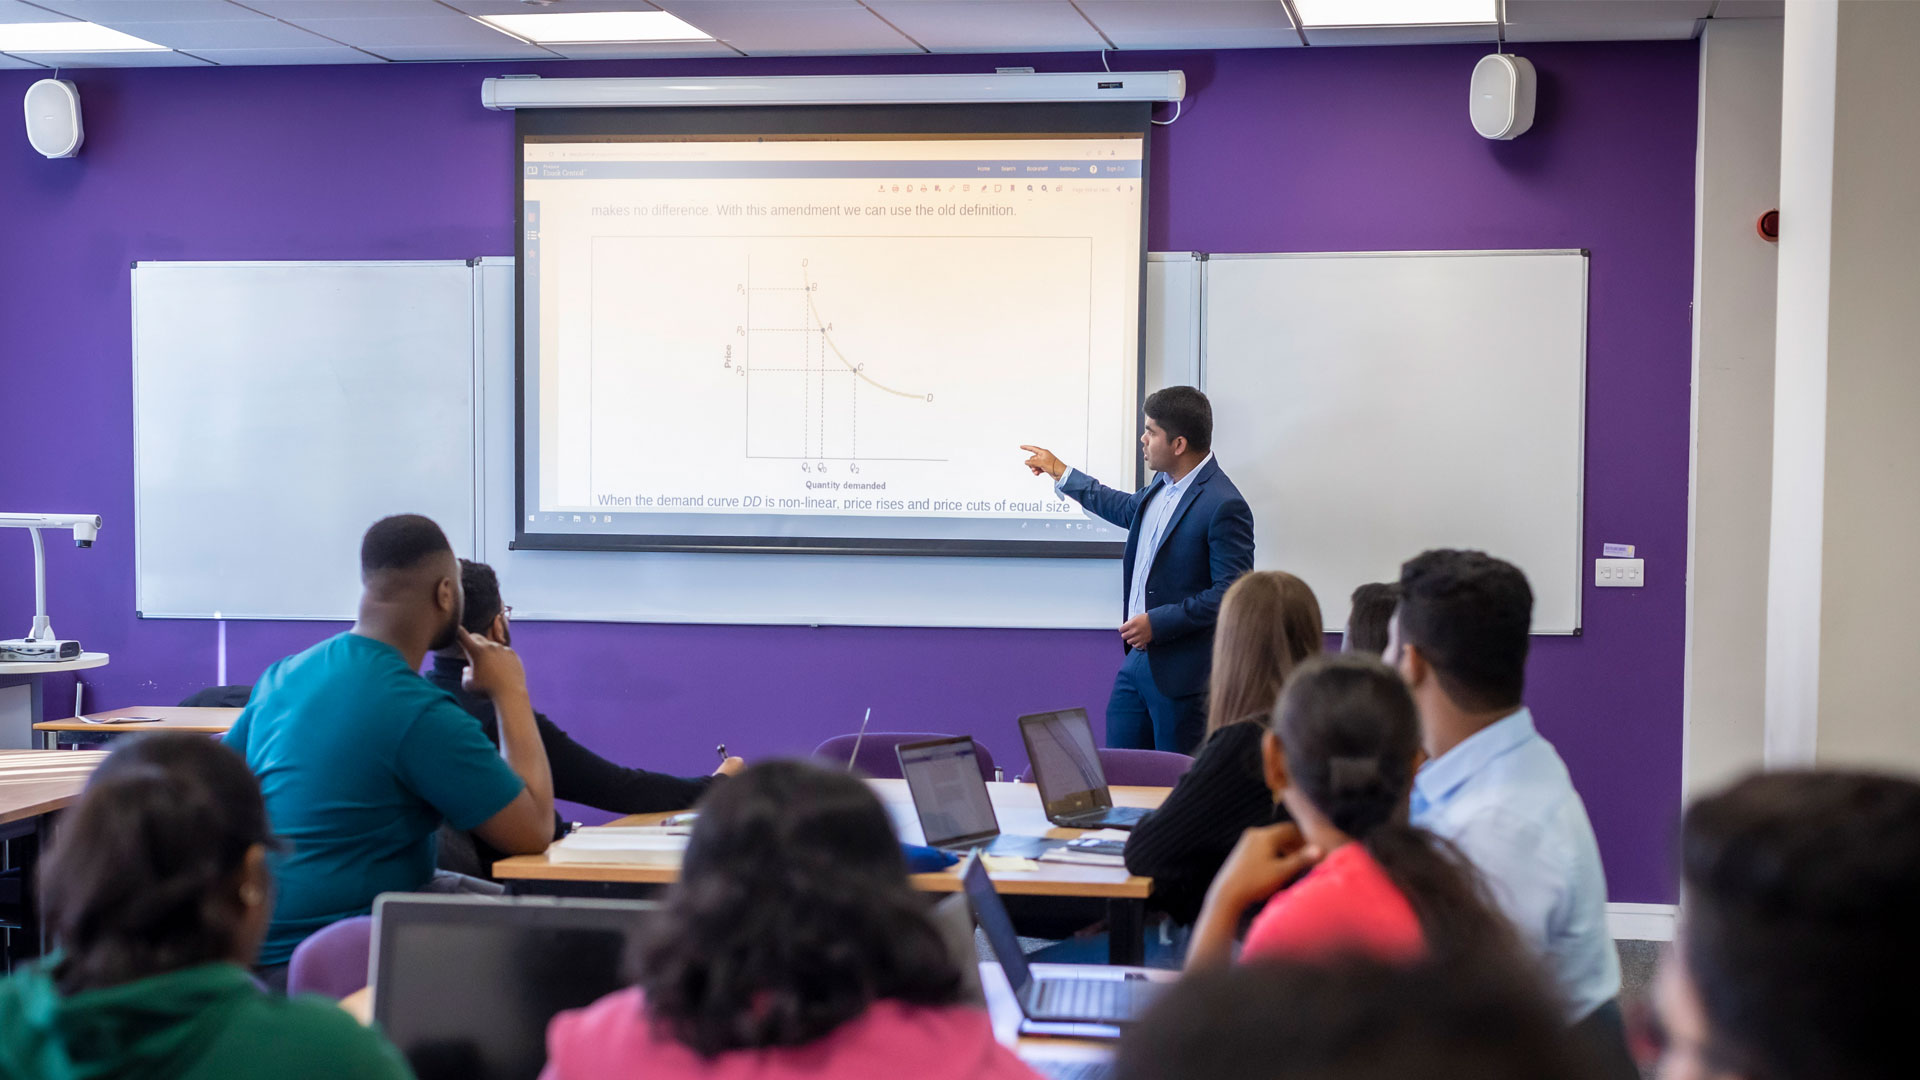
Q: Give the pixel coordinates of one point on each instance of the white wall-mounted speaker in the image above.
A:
(1501, 103)
(53, 118)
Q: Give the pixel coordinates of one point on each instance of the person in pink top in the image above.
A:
(792, 948)
(1340, 752)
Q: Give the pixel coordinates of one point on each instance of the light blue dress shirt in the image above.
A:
(1153, 529)
(1503, 796)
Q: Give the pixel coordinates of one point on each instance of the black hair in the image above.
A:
(1797, 923)
(401, 542)
(1351, 735)
(1354, 1018)
(482, 589)
(1182, 410)
(791, 916)
(142, 877)
(1373, 605)
(1469, 614)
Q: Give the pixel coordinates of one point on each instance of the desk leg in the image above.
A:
(1127, 932)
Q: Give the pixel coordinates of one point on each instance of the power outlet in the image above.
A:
(1620, 573)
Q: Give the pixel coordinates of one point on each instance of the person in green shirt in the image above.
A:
(158, 893)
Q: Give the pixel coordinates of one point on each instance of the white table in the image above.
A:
(21, 704)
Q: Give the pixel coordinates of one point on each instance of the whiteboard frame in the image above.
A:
(139, 568)
(1578, 555)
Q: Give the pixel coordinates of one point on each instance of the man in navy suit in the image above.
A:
(1189, 535)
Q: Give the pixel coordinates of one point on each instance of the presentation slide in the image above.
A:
(827, 343)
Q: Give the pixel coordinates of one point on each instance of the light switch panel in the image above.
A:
(1620, 573)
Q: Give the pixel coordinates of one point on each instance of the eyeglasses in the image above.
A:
(506, 609)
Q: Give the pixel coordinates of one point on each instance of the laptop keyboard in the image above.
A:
(1073, 1070)
(1091, 999)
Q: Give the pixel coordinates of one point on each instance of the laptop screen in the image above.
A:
(995, 923)
(465, 986)
(944, 777)
(1066, 763)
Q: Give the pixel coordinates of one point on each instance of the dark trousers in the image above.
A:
(1604, 1034)
(1140, 717)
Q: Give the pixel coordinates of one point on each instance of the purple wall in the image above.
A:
(1294, 150)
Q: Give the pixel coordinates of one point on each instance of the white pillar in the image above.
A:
(1841, 669)
(1736, 179)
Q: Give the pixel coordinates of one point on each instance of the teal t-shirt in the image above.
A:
(360, 760)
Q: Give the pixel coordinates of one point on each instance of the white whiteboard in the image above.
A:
(1372, 406)
(281, 408)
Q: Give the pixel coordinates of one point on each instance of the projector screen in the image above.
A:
(827, 329)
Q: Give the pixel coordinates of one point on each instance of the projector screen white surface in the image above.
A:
(1372, 406)
(830, 343)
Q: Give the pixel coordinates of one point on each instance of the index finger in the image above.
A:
(467, 641)
(1032, 449)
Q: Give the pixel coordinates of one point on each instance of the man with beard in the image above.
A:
(361, 760)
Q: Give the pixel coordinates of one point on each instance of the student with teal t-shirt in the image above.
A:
(157, 891)
(360, 759)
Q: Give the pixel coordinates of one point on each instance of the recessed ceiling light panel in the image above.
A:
(595, 27)
(1325, 13)
(69, 37)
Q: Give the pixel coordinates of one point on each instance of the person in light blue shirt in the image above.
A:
(1495, 788)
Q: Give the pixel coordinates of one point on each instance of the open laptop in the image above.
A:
(1066, 766)
(943, 775)
(1053, 1000)
(465, 985)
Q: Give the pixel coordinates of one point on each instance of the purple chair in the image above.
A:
(1136, 768)
(877, 758)
(334, 961)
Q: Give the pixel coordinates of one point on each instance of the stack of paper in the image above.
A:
(649, 845)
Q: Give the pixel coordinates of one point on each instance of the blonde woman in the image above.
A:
(1269, 623)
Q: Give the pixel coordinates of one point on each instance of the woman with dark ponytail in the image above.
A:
(1340, 752)
(157, 893)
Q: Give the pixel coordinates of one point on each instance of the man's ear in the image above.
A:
(1273, 764)
(1178, 445)
(448, 593)
(1414, 667)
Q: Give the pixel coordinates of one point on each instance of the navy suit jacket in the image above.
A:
(1207, 546)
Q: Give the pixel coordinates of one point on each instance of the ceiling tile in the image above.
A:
(8, 63)
(13, 11)
(1594, 12)
(327, 54)
(509, 49)
(1605, 30)
(992, 25)
(517, 7)
(119, 60)
(1401, 35)
(636, 50)
(1750, 9)
(112, 12)
(197, 34)
(793, 27)
(1193, 24)
(300, 11)
(449, 30)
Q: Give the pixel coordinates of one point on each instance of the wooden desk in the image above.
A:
(20, 710)
(37, 782)
(171, 718)
(33, 784)
(1016, 805)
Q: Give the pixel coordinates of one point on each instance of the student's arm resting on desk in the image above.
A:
(1229, 555)
(582, 776)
